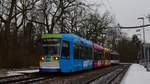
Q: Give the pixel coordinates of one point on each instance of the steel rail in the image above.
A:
(121, 72)
(114, 71)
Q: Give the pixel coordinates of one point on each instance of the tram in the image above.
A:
(70, 53)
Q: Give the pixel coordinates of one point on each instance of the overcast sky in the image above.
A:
(127, 12)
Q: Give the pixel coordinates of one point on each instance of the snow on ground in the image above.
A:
(4, 73)
(11, 73)
(136, 74)
(28, 71)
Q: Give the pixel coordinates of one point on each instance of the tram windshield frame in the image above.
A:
(51, 46)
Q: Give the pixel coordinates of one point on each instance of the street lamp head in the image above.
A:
(140, 18)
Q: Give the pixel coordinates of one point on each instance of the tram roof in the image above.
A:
(73, 37)
(78, 40)
(106, 50)
(114, 53)
(46, 36)
(98, 47)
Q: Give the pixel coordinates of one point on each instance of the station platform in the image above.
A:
(137, 74)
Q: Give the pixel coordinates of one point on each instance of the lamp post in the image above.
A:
(142, 18)
(144, 52)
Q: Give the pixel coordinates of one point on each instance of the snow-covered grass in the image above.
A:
(28, 71)
(12, 73)
(136, 74)
(6, 72)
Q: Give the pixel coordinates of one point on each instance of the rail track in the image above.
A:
(109, 75)
(113, 76)
(23, 79)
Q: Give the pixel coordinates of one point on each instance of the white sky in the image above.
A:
(127, 12)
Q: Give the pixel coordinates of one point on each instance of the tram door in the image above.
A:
(65, 53)
(66, 62)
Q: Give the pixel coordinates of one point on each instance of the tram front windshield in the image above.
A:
(51, 47)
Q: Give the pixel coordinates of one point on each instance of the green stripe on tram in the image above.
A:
(51, 36)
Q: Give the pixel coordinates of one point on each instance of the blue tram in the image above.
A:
(70, 53)
(65, 53)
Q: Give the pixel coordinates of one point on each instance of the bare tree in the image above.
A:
(71, 19)
(52, 11)
(13, 14)
(95, 26)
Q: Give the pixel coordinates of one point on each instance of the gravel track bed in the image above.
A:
(119, 77)
(113, 77)
(77, 78)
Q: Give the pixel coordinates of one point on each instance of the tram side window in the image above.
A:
(106, 56)
(83, 53)
(65, 49)
(112, 57)
(86, 51)
(89, 53)
(97, 55)
(100, 56)
(76, 51)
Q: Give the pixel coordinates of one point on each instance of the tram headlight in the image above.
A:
(56, 58)
(42, 58)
